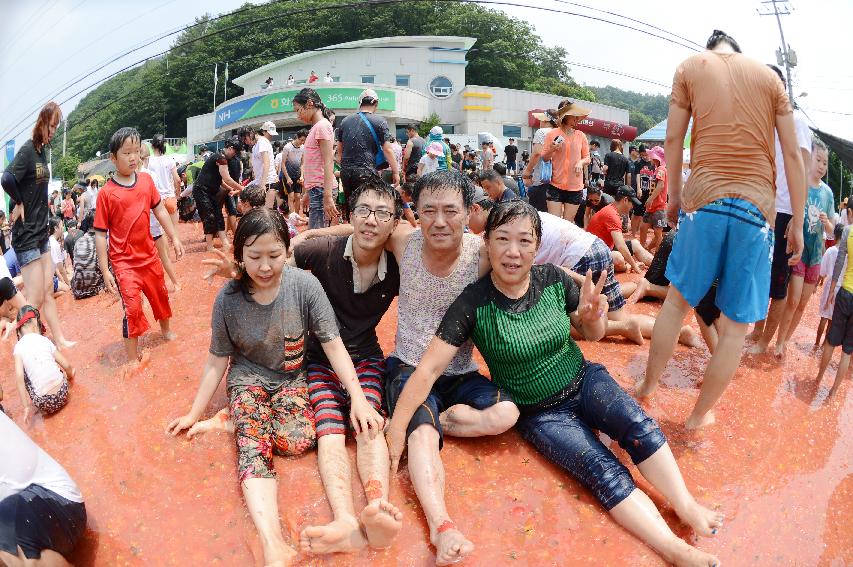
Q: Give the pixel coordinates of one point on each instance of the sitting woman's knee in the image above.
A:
(424, 435)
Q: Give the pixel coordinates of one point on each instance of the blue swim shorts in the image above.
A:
(730, 241)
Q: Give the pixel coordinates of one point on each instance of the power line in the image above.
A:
(595, 68)
(831, 112)
(303, 10)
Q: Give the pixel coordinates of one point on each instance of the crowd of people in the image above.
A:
(319, 234)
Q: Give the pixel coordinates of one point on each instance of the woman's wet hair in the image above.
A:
(252, 225)
(121, 136)
(445, 179)
(718, 37)
(375, 184)
(158, 142)
(307, 95)
(49, 113)
(508, 211)
(88, 221)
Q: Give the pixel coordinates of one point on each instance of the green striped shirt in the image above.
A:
(526, 342)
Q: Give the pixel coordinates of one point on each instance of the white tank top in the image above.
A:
(160, 168)
(424, 299)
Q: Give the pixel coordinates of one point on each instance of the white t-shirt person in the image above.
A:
(36, 352)
(430, 163)
(23, 463)
(57, 253)
(804, 141)
(262, 145)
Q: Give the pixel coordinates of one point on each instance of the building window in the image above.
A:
(448, 128)
(336, 79)
(368, 79)
(441, 87)
(402, 80)
(512, 131)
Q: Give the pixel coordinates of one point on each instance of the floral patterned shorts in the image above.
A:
(49, 403)
(281, 421)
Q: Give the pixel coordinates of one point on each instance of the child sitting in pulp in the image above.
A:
(42, 371)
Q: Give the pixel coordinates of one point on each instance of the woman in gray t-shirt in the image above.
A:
(259, 324)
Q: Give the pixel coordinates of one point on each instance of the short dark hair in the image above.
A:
(839, 228)
(254, 194)
(245, 131)
(445, 179)
(499, 168)
(411, 127)
(593, 190)
(256, 223)
(595, 143)
(633, 149)
(718, 37)
(302, 133)
(121, 136)
(52, 223)
(375, 184)
(778, 72)
(508, 211)
(490, 175)
(642, 148)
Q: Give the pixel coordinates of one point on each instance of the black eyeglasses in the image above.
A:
(363, 212)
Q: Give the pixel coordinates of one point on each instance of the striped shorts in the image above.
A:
(598, 259)
(329, 397)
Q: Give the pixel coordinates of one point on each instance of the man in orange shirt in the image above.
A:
(568, 150)
(725, 209)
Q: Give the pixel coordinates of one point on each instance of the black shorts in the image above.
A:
(656, 274)
(351, 179)
(536, 195)
(780, 271)
(472, 389)
(841, 328)
(230, 205)
(707, 309)
(36, 519)
(209, 210)
(556, 195)
(294, 187)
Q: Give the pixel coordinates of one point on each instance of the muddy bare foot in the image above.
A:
(643, 388)
(170, 336)
(280, 556)
(689, 338)
(704, 521)
(634, 332)
(450, 545)
(779, 352)
(340, 536)
(685, 555)
(382, 521)
(694, 422)
(757, 348)
(219, 422)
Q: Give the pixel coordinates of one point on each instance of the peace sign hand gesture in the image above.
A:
(592, 307)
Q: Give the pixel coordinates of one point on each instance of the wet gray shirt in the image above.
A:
(266, 343)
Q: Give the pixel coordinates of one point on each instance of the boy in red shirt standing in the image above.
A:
(655, 216)
(123, 208)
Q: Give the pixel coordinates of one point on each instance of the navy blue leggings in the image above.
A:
(565, 434)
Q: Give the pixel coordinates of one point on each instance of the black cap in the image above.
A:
(625, 191)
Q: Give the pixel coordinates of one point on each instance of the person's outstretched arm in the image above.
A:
(214, 369)
(435, 360)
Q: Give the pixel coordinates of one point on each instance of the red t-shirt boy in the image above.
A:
(122, 212)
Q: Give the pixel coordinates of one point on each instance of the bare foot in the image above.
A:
(634, 332)
(685, 555)
(643, 388)
(170, 335)
(281, 555)
(755, 335)
(779, 351)
(219, 422)
(450, 545)
(135, 366)
(65, 343)
(704, 521)
(758, 348)
(694, 422)
(340, 536)
(641, 291)
(382, 521)
(689, 338)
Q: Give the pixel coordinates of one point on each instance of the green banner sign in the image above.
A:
(333, 97)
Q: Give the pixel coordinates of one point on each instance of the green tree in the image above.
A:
(560, 88)
(66, 168)
(425, 126)
(839, 178)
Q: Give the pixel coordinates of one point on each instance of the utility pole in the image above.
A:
(786, 55)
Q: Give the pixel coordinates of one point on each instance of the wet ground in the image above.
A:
(778, 463)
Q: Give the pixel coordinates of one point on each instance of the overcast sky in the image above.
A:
(46, 44)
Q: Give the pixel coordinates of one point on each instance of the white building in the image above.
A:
(414, 76)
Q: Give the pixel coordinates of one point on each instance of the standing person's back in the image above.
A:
(726, 209)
